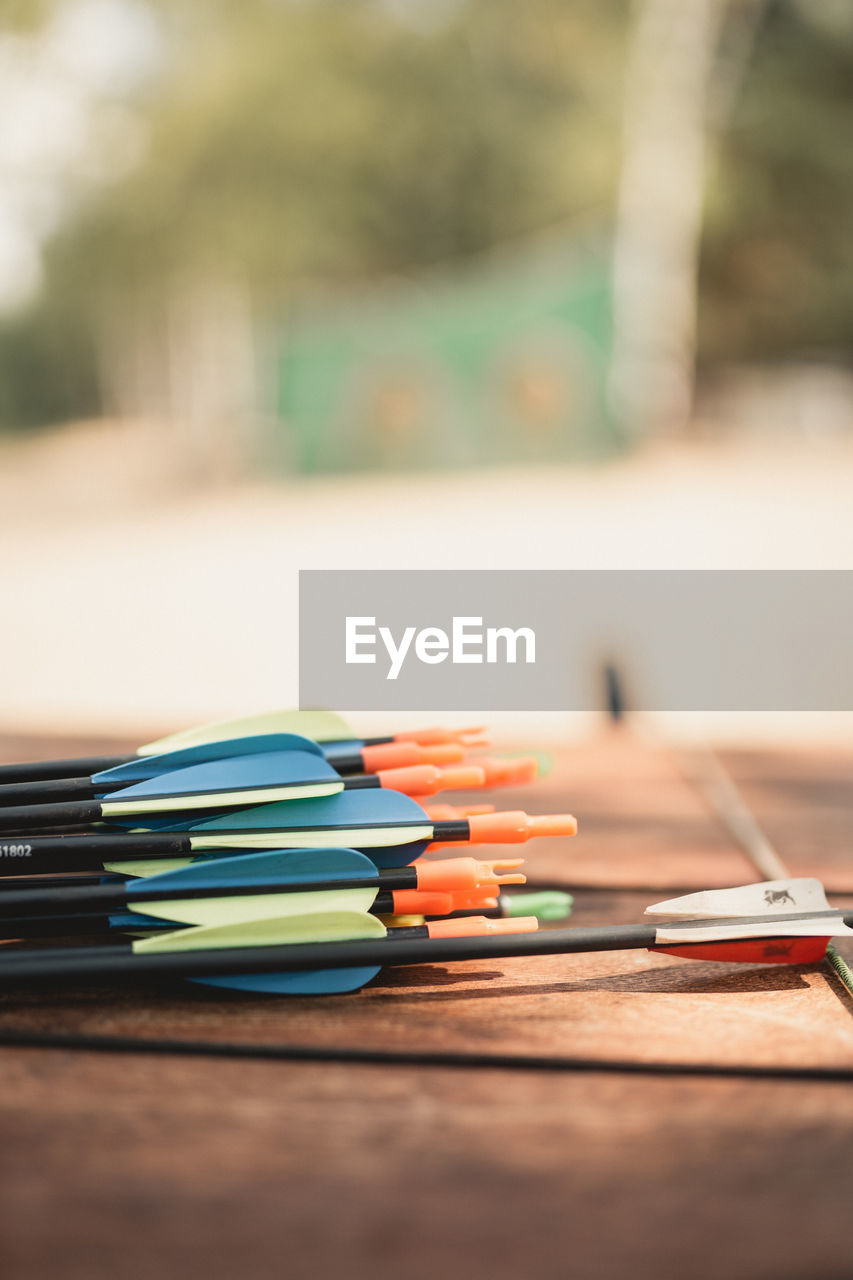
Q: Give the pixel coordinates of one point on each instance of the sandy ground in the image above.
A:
(135, 598)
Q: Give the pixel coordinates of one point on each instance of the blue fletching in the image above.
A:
(175, 820)
(278, 815)
(285, 866)
(343, 747)
(258, 744)
(239, 773)
(373, 806)
(136, 920)
(319, 982)
(398, 855)
(383, 856)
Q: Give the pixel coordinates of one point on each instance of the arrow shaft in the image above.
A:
(23, 855)
(86, 810)
(47, 803)
(115, 897)
(54, 791)
(82, 923)
(59, 790)
(48, 770)
(83, 964)
(343, 753)
(44, 855)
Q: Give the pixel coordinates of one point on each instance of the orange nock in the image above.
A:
(426, 779)
(480, 926)
(483, 898)
(400, 755)
(411, 902)
(449, 812)
(431, 737)
(455, 875)
(518, 772)
(416, 902)
(515, 828)
(441, 753)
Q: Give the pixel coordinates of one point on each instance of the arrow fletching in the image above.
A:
(320, 726)
(772, 896)
(223, 749)
(241, 780)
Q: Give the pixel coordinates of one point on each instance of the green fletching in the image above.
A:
(545, 761)
(210, 912)
(147, 866)
(550, 904)
(350, 837)
(322, 726)
(320, 926)
(220, 799)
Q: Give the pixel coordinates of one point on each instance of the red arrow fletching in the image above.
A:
(754, 950)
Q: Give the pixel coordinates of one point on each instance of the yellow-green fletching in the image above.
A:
(354, 838)
(322, 726)
(147, 866)
(221, 799)
(320, 926)
(256, 906)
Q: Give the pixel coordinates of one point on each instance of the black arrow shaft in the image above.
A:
(22, 854)
(47, 770)
(68, 813)
(72, 899)
(121, 963)
(65, 810)
(81, 923)
(55, 791)
(44, 855)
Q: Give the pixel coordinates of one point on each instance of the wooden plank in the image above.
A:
(642, 824)
(133, 1167)
(624, 1005)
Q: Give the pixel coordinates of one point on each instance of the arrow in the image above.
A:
(349, 919)
(432, 888)
(344, 943)
(395, 907)
(324, 727)
(701, 766)
(547, 905)
(294, 773)
(178, 822)
(394, 755)
(392, 827)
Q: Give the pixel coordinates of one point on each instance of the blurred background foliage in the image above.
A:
(777, 265)
(280, 147)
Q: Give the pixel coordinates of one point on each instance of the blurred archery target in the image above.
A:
(398, 408)
(542, 388)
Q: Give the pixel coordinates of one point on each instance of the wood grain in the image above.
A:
(136, 1166)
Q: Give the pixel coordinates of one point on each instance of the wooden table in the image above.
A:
(140, 1164)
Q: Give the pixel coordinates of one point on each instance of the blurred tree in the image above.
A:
(294, 141)
(286, 144)
(777, 267)
(291, 144)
